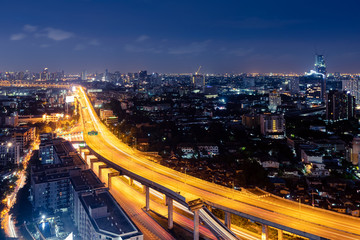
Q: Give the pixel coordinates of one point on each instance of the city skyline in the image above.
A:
(167, 36)
(319, 67)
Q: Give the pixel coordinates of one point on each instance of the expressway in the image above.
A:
(133, 201)
(283, 214)
(20, 83)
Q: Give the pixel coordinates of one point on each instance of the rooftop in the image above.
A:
(114, 221)
(85, 180)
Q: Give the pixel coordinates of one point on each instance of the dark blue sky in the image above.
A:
(178, 36)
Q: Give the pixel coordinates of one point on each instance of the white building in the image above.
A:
(187, 151)
(101, 218)
(208, 150)
(311, 156)
(108, 116)
(53, 117)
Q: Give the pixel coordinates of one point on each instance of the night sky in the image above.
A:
(177, 36)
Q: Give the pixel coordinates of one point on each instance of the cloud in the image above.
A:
(29, 28)
(94, 42)
(17, 36)
(142, 38)
(139, 49)
(193, 48)
(57, 34)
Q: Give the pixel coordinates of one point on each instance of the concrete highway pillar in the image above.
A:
(227, 219)
(196, 225)
(165, 200)
(280, 234)
(110, 175)
(170, 212)
(143, 189)
(265, 232)
(147, 193)
(101, 167)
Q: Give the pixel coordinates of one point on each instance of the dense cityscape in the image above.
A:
(177, 120)
(269, 136)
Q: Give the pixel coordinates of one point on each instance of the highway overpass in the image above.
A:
(285, 215)
(29, 84)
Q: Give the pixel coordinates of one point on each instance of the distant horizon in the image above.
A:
(180, 73)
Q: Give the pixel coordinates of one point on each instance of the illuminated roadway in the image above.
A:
(132, 201)
(21, 83)
(7, 223)
(280, 213)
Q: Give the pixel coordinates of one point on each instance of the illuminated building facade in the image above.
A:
(274, 100)
(339, 106)
(272, 125)
(320, 66)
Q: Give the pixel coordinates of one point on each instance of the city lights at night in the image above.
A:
(153, 119)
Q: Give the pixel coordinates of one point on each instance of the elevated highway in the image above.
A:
(282, 214)
(29, 84)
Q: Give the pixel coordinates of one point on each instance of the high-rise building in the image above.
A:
(355, 150)
(44, 75)
(351, 85)
(274, 100)
(106, 76)
(101, 217)
(339, 106)
(69, 187)
(320, 66)
(9, 152)
(84, 75)
(142, 76)
(272, 125)
(294, 85)
(198, 80)
(23, 136)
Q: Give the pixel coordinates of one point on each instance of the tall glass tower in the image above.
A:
(320, 66)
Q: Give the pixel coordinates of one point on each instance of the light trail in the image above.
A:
(7, 223)
(11, 227)
(133, 201)
(279, 211)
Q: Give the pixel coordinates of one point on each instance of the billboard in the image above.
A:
(69, 99)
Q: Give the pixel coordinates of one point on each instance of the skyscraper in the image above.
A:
(320, 66)
(274, 100)
(44, 75)
(339, 106)
(142, 76)
(294, 85)
(198, 80)
(84, 75)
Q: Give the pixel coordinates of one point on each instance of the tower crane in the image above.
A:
(197, 72)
